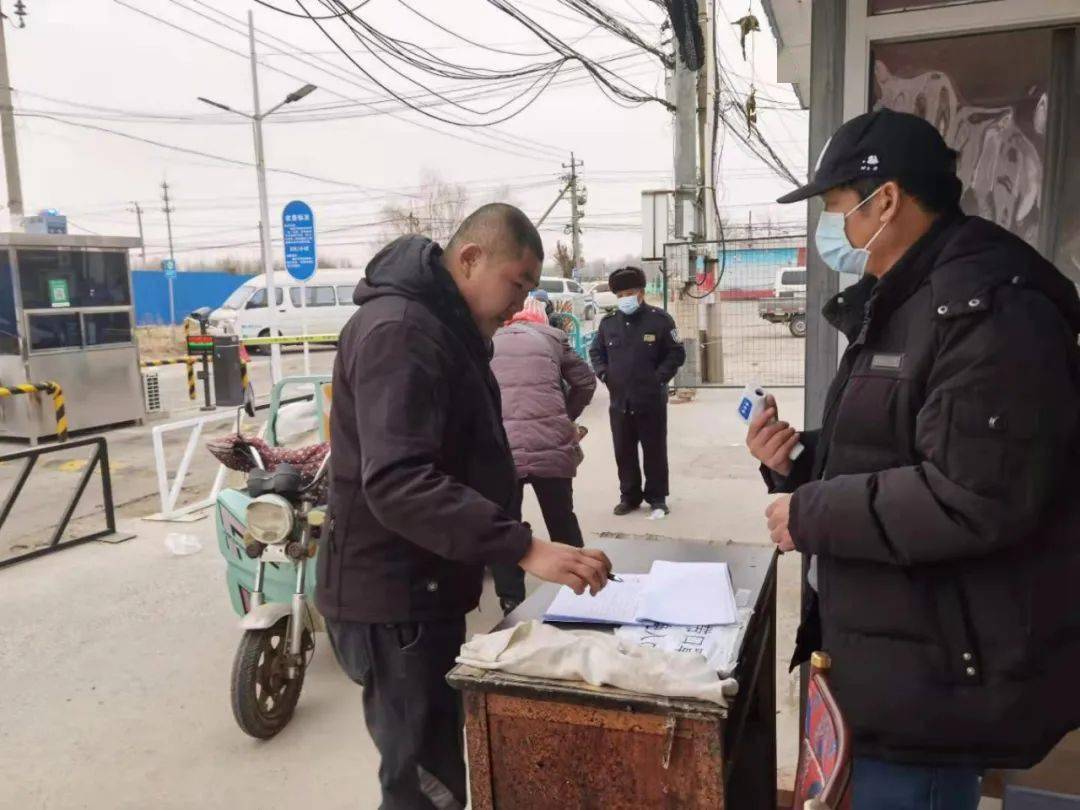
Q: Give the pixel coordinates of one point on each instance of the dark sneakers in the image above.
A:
(625, 508)
(662, 506)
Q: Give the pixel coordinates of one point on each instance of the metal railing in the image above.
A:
(99, 461)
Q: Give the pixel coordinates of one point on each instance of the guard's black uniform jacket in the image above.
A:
(636, 356)
(940, 499)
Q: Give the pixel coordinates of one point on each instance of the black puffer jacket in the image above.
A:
(940, 502)
(422, 471)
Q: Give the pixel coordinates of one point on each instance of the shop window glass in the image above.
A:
(54, 279)
(107, 327)
(50, 279)
(55, 332)
(887, 6)
(105, 283)
(995, 118)
(9, 330)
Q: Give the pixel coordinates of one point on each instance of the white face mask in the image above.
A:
(833, 244)
(628, 304)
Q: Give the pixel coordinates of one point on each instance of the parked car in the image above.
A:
(568, 296)
(603, 297)
(790, 282)
(791, 311)
(329, 305)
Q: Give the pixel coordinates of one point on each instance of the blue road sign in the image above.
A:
(169, 267)
(298, 226)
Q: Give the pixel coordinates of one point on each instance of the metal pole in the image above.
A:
(142, 241)
(303, 326)
(168, 225)
(7, 133)
(264, 209)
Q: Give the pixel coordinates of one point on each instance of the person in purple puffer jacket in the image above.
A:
(545, 386)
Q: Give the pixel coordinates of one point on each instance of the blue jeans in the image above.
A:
(879, 785)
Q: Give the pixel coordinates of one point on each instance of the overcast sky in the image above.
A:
(96, 65)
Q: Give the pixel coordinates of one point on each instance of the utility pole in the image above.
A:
(576, 200)
(713, 368)
(264, 207)
(7, 124)
(256, 118)
(142, 241)
(168, 209)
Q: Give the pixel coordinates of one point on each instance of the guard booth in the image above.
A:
(67, 316)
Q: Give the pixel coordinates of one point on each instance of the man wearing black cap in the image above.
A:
(635, 353)
(934, 500)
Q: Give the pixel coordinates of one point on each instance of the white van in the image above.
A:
(790, 282)
(329, 305)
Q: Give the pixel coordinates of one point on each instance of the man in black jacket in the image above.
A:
(423, 485)
(935, 501)
(635, 353)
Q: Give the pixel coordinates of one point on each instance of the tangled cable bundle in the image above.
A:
(229, 450)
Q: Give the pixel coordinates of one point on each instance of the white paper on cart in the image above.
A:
(688, 593)
(719, 644)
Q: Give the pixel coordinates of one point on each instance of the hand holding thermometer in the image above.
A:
(752, 404)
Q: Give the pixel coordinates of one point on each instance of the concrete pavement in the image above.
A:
(115, 660)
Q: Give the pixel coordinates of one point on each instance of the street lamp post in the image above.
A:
(256, 119)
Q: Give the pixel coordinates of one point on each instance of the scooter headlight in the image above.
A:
(270, 519)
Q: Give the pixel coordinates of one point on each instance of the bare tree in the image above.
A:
(436, 210)
(563, 260)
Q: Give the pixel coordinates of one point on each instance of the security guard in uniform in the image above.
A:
(635, 353)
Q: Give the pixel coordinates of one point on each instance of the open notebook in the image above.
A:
(675, 593)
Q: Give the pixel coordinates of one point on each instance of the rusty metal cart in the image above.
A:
(535, 743)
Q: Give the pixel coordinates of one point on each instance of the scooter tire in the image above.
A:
(263, 697)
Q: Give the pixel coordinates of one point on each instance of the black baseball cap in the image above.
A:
(882, 144)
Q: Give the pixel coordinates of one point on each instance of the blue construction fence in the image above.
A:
(191, 290)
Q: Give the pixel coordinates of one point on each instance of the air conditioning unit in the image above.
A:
(151, 392)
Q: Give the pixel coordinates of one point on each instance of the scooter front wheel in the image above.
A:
(263, 695)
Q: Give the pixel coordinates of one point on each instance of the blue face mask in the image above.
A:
(628, 304)
(835, 248)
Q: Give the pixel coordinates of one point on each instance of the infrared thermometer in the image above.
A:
(752, 403)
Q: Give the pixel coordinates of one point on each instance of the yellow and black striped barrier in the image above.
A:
(54, 390)
(269, 341)
(189, 361)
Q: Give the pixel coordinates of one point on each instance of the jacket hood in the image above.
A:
(411, 267)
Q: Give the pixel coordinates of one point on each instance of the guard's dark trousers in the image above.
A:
(412, 713)
(556, 499)
(649, 429)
